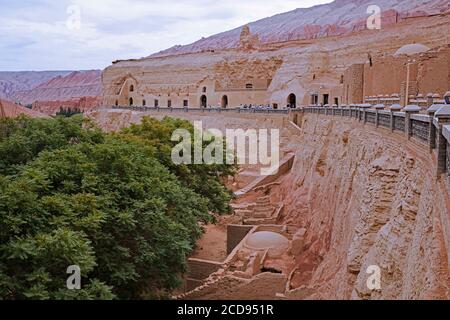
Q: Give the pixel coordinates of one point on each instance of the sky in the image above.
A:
(90, 34)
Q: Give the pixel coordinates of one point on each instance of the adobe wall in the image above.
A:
(264, 286)
(429, 74)
(434, 72)
(199, 269)
(235, 234)
(353, 84)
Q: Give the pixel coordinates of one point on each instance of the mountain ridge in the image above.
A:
(336, 18)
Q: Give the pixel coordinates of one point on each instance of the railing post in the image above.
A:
(394, 108)
(442, 117)
(364, 107)
(429, 99)
(409, 110)
(446, 133)
(432, 129)
(378, 107)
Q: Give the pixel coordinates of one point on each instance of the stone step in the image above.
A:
(263, 200)
(263, 214)
(262, 208)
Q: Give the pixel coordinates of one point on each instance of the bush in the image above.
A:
(69, 112)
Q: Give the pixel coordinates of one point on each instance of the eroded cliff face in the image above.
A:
(300, 67)
(12, 110)
(367, 197)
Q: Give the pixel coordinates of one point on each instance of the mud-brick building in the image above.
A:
(415, 74)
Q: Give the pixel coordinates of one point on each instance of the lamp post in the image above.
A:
(408, 75)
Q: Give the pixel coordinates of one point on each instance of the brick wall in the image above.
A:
(201, 269)
(235, 234)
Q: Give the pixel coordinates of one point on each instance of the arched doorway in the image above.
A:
(292, 101)
(203, 101)
(131, 102)
(224, 102)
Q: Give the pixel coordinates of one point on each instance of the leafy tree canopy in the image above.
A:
(113, 204)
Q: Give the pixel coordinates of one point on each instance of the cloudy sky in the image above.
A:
(90, 34)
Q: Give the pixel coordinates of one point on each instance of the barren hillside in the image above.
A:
(74, 85)
(11, 82)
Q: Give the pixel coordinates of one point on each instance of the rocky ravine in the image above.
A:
(365, 196)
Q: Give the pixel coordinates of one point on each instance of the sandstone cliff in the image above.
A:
(74, 85)
(78, 89)
(12, 110)
(366, 197)
(299, 67)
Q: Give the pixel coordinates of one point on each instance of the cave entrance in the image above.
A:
(131, 102)
(292, 101)
(203, 101)
(326, 99)
(224, 102)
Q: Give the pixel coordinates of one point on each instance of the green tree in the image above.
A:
(204, 179)
(73, 195)
(69, 112)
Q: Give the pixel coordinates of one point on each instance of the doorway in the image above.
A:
(224, 102)
(292, 101)
(203, 101)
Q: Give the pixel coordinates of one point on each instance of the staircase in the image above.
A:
(263, 209)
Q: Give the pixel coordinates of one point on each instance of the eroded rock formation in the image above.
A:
(12, 82)
(331, 70)
(366, 197)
